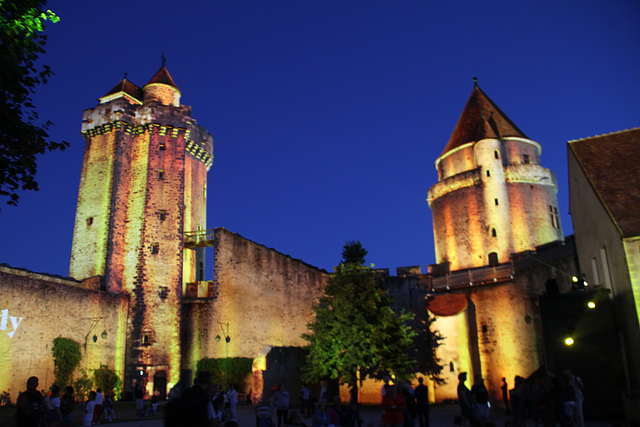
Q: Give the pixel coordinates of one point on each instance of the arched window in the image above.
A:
(494, 233)
(493, 258)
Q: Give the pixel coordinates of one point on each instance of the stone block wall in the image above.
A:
(262, 297)
(44, 307)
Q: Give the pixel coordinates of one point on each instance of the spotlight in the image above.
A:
(591, 304)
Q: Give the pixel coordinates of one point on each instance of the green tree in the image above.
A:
(356, 333)
(82, 385)
(66, 358)
(22, 137)
(107, 379)
(427, 342)
(228, 370)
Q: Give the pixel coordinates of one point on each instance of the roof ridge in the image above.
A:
(603, 134)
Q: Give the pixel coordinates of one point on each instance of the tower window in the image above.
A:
(145, 339)
(155, 248)
(494, 233)
(161, 174)
(484, 329)
(162, 215)
(496, 202)
(526, 159)
(493, 258)
(496, 154)
(90, 220)
(162, 146)
(555, 219)
(488, 172)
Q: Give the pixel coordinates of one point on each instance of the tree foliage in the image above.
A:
(228, 370)
(354, 253)
(83, 385)
(66, 358)
(356, 333)
(107, 379)
(428, 341)
(22, 138)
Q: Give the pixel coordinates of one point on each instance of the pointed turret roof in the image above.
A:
(481, 119)
(163, 77)
(124, 86)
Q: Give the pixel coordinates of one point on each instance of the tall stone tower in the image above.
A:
(492, 198)
(143, 185)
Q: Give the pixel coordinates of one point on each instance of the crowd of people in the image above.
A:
(53, 409)
(546, 399)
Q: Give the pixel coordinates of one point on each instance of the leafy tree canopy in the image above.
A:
(356, 334)
(22, 138)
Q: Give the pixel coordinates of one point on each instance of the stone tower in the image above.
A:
(143, 185)
(492, 198)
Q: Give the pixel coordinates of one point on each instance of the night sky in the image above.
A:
(327, 116)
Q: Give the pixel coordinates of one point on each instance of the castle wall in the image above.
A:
(45, 307)
(262, 298)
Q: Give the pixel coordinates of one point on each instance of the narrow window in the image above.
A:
(201, 271)
(555, 219)
(493, 232)
(488, 172)
(496, 201)
(162, 215)
(146, 338)
(496, 154)
(155, 248)
(451, 367)
(484, 329)
(526, 159)
(606, 272)
(161, 174)
(594, 271)
(162, 146)
(90, 220)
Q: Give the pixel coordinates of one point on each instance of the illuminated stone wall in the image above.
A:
(45, 307)
(265, 297)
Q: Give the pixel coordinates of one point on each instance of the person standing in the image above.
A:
(465, 398)
(232, 398)
(138, 392)
(54, 414)
(577, 385)
(305, 400)
(30, 406)
(393, 404)
(281, 403)
(67, 406)
(480, 397)
(87, 417)
(505, 394)
(422, 403)
(97, 411)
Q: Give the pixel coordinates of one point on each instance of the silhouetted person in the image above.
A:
(422, 403)
(30, 405)
(505, 394)
(465, 399)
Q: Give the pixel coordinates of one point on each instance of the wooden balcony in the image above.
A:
(198, 239)
(473, 277)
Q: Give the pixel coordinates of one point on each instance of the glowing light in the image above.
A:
(569, 341)
(575, 279)
(591, 304)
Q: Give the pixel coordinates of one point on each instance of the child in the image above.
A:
(88, 409)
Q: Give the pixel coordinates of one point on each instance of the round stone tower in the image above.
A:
(143, 185)
(493, 198)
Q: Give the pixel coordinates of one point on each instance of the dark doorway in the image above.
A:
(493, 258)
(160, 384)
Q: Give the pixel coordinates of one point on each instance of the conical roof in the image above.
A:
(163, 77)
(481, 119)
(127, 87)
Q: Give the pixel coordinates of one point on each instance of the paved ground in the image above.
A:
(441, 416)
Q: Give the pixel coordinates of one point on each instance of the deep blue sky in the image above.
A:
(327, 116)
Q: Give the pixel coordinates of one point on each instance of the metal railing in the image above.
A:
(472, 277)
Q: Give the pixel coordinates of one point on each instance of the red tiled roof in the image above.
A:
(481, 119)
(612, 164)
(163, 77)
(127, 87)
